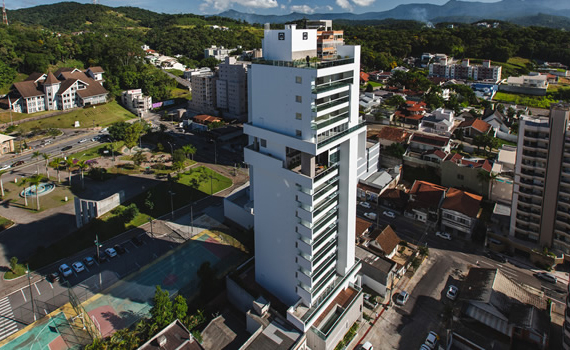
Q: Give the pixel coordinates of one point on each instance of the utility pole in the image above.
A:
(171, 204)
(150, 220)
(97, 245)
(31, 294)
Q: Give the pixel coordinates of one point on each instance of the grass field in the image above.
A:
(527, 100)
(176, 72)
(102, 115)
(92, 152)
(209, 181)
(52, 200)
(375, 84)
(181, 93)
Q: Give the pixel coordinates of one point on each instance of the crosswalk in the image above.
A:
(7, 323)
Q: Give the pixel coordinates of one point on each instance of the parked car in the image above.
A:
(18, 163)
(389, 214)
(452, 292)
(53, 277)
(66, 148)
(111, 252)
(367, 346)
(496, 256)
(137, 241)
(83, 140)
(371, 216)
(548, 277)
(424, 347)
(365, 205)
(432, 340)
(65, 270)
(5, 167)
(402, 298)
(443, 235)
(78, 266)
(102, 256)
(119, 249)
(88, 261)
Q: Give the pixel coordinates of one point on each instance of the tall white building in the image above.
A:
(231, 88)
(306, 144)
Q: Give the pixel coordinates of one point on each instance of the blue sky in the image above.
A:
(249, 6)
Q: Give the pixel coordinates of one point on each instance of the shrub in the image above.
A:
(130, 212)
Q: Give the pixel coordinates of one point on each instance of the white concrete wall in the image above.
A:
(292, 47)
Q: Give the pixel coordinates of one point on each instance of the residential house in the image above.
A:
(389, 135)
(504, 168)
(136, 102)
(500, 125)
(384, 240)
(364, 77)
(425, 201)
(377, 273)
(173, 337)
(526, 84)
(368, 101)
(460, 211)
(474, 127)
(96, 73)
(362, 228)
(460, 172)
(372, 187)
(394, 198)
(67, 88)
(439, 122)
(494, 300)
(412, 113)
(420, 143)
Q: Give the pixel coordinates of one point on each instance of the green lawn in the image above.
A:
(5, 223)
(375, 84)
(54, 199)
(527, 100)
(102, 115)
(176, 72)
(92, 152)
(178, 93)
(110, 224)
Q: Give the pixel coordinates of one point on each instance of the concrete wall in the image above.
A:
(236, 213)
(239, 298)
(502, 190)
(376, 286)
(463, 177)
(523, 90)
(86, 210)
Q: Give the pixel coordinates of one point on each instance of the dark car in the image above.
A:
(496, 257)
(53, 277)
(66, 148)
(137, 241)
(119, 249)
(102, 256)
(18, 163)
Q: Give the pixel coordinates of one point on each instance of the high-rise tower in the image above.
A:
(4, 14)
(306, 142)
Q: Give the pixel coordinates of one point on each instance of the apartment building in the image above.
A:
(446, 69)
(136, 102)
(203, 93)
(541, 192)
(231, 88)
(305, 141)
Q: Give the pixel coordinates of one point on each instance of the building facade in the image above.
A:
(465, 70)
(305, 141)
(541, 192)
(136, 102)
(203, 93)
(231, 88)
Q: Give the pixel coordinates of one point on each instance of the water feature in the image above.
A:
(42, 189)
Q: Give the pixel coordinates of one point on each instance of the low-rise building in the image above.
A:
(474, 127)
(374, 185)
(6, 144)
(420, 143)
(136, 102)
(394, 198)
(460, 211)
(459, 172)
(389, 135)
(173, 337)
(425, 200)
(377, 273)
(219, 53)
(439, 122)
(526, 84)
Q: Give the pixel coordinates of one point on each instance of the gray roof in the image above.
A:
(373, 265)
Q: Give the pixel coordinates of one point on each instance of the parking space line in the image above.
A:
(45, 312)
(51, 285)
(36, 285)
(24, 295)
(137, 265)
(127, 250)
(85, 267)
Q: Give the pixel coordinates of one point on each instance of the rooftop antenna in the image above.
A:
(4, 14)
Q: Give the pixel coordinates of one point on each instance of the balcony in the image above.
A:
(332, 85)
(533, 154)
(333, 137)
(326, 105)
(322, 122)
(302, 63)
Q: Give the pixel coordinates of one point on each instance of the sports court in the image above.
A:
(127, 301)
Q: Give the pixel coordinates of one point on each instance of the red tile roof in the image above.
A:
(458, 159)
(436, 152)
(387, 239)
(393, 134)
(431, 140)
(364, 76)
(476, 124)
(206, 119)
(462, 202)
(427, 194)
(362, 226)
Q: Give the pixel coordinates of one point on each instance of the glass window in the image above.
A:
(298, 80)
(298, 99)
(298, 116)
(298, 133)
(281, 36)
(305, 35)
(263, 142)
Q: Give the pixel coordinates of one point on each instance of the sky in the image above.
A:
(265, 7)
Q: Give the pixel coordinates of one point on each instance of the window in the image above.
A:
(298, 80)
(298, 133)
(298, 116)
(281, 36)
(305, 35)
(460, 177)
(263, 142)
(298, 99)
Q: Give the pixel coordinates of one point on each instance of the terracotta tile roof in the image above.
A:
(426, 194)
(96, 69)
(343, 299)
(28, 88)
(414, 117)
(462, 202)
(362, 226)
(387, 239)
(367, 188)
(436, 152)
(476, 124)
(364, 76)
(394, 193)
(206, 119)
(458, 159)
(393, 134)
(431, 140)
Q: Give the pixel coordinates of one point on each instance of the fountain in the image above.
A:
(42, 189)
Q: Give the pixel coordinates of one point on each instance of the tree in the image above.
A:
(46, 158)
(69, 164)
(148, 202)
(1, 182)
(161, 311)
(35, 181)
(178, 156)
(13, 263)
(396, 101)
(189, 150)
(138, 158)
(396, 150)
(118, 130)
(82, 165)
(369, 88)
(35, 155)
(132, 134)
(56, 163)
(179, 308)
(486, 177)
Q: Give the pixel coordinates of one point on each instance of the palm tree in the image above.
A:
(37, 154)
(35, 181)
(46, 158)
(82, 166)
(23, 183)
(56, 163)
(1, 182)
(69, 164)
(189, 150)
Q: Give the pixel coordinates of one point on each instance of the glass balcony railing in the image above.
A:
(326, 172)
(335, 137)
(303, 63)
(319, 124)
(324, 87)
(323, 106)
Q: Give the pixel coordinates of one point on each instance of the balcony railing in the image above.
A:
(326, 172)
(303, 63)
(323, 106)
(319, 124)
(324, 87)
(339, 135)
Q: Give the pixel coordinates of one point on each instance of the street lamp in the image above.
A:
(171, 204)
(97, 245)
(171, 149)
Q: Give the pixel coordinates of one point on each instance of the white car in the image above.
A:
(389, 214)
(111, 252)
(452, 292)
(432, 340)
(367, 346)
(5, 167)
(78, 267)
(402, 298)
(371, 216)
(83, 140)
(365, 205)
(65, 270)
(443, 235)
(548, 277)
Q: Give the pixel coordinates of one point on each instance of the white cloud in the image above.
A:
(345, 4)
(363, 2)
(302, 9)
(329, 7)
(225, 4)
